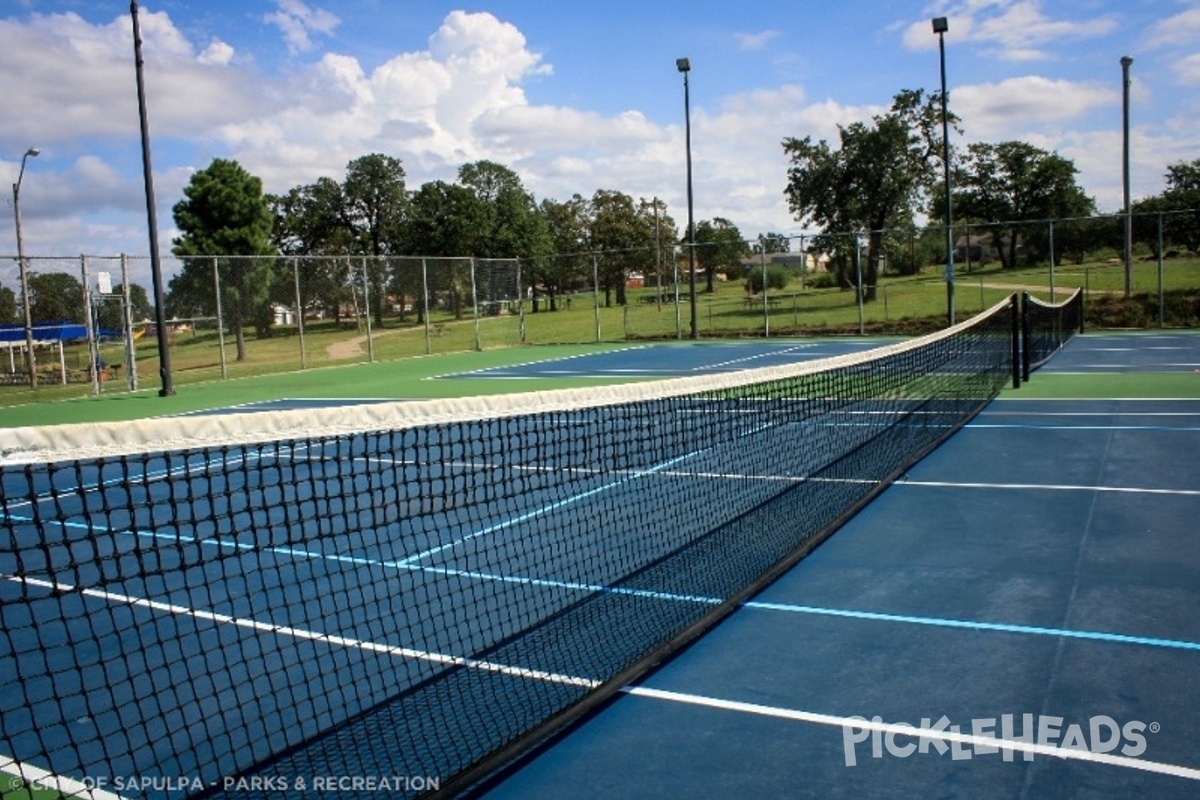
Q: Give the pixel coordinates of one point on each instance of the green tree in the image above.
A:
(8, 305)
(225, 216)
(719, 246)
(1013, 184)
(622, 240)
(777, 278)
(875, 181)
(567, 226)
(311, 224)
(55, 297)
(375, 204)
(1178, 208)
(515, 227)
(445, 219)
(666, 235)
(110, 312)
(771, 243)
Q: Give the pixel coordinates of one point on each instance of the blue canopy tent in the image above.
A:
(45, 334)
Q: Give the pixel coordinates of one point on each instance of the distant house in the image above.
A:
(975, 247)
(981, 248)
(807, 261)
(283, 315)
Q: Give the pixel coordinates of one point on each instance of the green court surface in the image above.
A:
(1111, 385)
(416, 378)
(395, 380)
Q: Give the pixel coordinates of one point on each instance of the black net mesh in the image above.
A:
(417, 602)
(1047, 327)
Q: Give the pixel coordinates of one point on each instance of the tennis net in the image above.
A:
(1047, 327)
(408, 596)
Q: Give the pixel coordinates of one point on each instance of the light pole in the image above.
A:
(1126, 62)
(685, 66)
(31, 360)
(160, 313)
(940, 26)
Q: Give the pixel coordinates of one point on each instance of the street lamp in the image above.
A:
(1126, 63)
(940, 26)
(685, 66)
(32, 362)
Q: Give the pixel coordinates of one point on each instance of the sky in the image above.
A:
(575, 97)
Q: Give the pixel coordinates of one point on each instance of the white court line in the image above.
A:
(539, 511)
(592, 588)
(303, 633)
(1161, 768)
(1050, 487)
(1002, 413)
(1002, 426)
(985, 743)
(42, 779)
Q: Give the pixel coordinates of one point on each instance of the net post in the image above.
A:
(1025, 336)
(1082, 296)
(1015, 337)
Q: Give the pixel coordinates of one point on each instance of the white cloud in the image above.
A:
(434, 109)
(48, 98)
(218, 53)
(298, 20)
(755, 41)
(1187, 70)
(1002, 110)
(464, 97)
(1181, 29)
(1011, 30)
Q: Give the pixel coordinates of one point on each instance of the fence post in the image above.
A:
(1161, 298)
(803, 263)
(475, 306)
(520, 306)
(858, 281)
(92, 349)
(1051, 223)
(596, 294)
(675, 282)
(131, 375)
(299, 313)
(766, 305)
(220, 320)
(367, 311)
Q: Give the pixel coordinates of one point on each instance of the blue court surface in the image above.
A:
(1034, 580)
(679, 360)
(1015, 617)
(648, 362)
(1151, 352)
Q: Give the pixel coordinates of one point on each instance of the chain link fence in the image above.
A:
(234, 316)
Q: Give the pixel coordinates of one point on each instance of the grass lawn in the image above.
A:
(902, 305)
